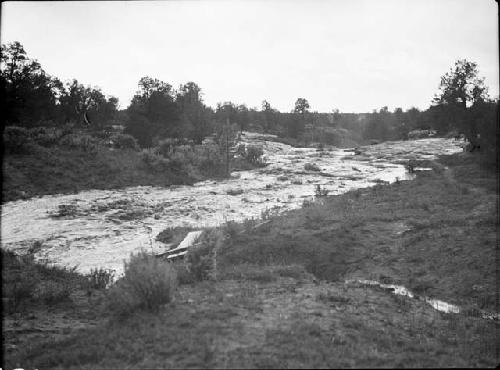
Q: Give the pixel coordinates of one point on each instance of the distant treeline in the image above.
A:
(33, 98)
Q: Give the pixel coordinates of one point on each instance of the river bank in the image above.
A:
(280, 298)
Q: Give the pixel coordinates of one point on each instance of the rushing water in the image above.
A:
(105, 226)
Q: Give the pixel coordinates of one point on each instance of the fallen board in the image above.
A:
(183, 246)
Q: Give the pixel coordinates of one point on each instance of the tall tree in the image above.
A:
(195, 116)
(298, 120)
(461, 86)
(29, 94)
(153, 112)
(460, 89)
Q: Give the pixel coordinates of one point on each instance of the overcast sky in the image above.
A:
(353, 55)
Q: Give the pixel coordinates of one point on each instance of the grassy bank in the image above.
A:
(436, 234)
(277, 297)
(56, 170)
(45, 161)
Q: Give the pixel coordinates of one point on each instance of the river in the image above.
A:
(102, 227)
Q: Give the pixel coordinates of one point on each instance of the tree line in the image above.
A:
(33, 98)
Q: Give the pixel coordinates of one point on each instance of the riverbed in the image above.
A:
(100, 228)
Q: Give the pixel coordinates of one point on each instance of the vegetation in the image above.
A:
(79, 139)
(263, 293)
(147, 284)
(26, 283)
(158, 111)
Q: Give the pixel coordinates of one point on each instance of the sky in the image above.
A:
(351, 55)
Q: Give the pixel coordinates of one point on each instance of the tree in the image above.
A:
(298, 120)
(461, 86)
(195, 116)
(86, 105)
(153, 108)
(460, 89)
(269, 116)
(30, 95)
(301, 106)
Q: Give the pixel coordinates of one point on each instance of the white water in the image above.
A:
(105, 229)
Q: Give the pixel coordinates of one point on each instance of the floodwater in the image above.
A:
(102, 227)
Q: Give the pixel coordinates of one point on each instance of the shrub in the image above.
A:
(154, 160)
(201, 258)
(124, 141)
(16, 139)
(311, 167)
(210, 160)
(45, 136)
(320, 192)
(410, 166)
(253, 154)
(99, 278)
(83, 142)
(166, 147)
(147, 284)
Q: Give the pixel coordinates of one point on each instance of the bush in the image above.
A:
(45, 136)
(83, 142)
(320, 192)
(201, 258)
(253, 154)
(166, 147)
(16, 140)
(311, 167)
(124, 141)
(154, 160)
(99, 278)
(147, 284)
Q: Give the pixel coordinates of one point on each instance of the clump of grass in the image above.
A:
(320, 191)
(148, 283)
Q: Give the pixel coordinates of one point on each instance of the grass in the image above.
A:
(427, 232)
(255, 324)
(279, 299)
(58, 170)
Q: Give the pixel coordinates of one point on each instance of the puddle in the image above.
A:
(435, 303)
(100, 228)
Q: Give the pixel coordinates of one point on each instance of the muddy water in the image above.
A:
(102, 227)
